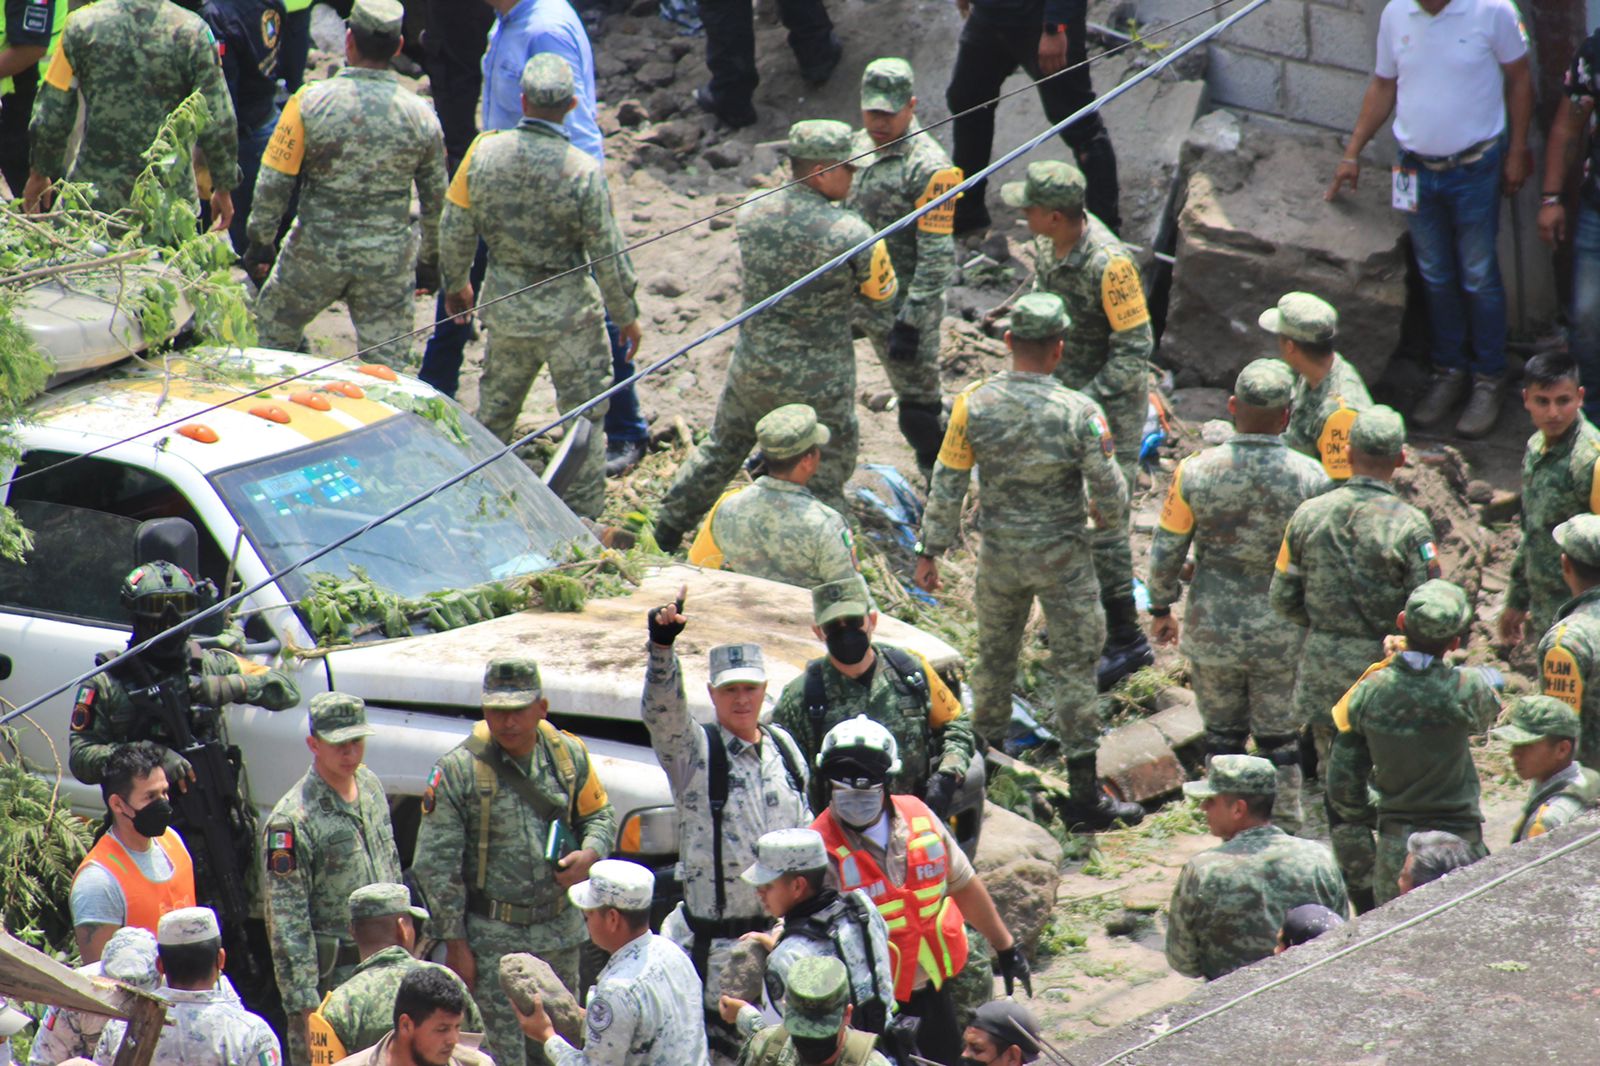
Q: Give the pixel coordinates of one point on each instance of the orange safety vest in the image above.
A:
(144, 900)
(925, 925)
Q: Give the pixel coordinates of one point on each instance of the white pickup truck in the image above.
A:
(272, 476)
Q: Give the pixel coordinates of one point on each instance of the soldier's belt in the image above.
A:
(514, 913)
(726, 928)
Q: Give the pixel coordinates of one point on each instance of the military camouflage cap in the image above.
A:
(846, 598)
(188, 925)
(732, 664)
(1039, 316)
(1536, 717)
(791, 430)
(785, 851)
(818, 993)
(510, 684)
(1300, 316)
(886, 85)
(1050, 183)
(1235, 775)
(338, 717)
(820, 140)
(547, 81)
(1267, 383)
(618, 883)
(382, 17)
(383, 899)
(1579, 538)
(1437, 610)
(130, 957)
(1379, 431)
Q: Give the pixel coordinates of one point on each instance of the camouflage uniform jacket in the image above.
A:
(355, 144)
(454, 815)
(67, 1034)
(1569, 658)
(378, 1054)
(1231, 503)
(104, 717)
(761, 795)
(1320, 416)
(1553, 802)
(361, 1010)
(318, 849)
(1109, 343)
(1229, 902)
(1558, 481)
(645, 1010)
(542, 207)
(1405, 726)
(132, 62)
(204, 1028)
(1038, 444)
(932, 730)
(777, 530)
(1350, 558)
(804, 340)
(890, 183)
(774, 1048)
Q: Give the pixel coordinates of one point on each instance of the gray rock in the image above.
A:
(666, 285)
(742, 977)
(723, 156)
(1024, 892)
(521, 975)
(1008, 837)
(632, 114)
(655, 74)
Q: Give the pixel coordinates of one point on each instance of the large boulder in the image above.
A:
(1007, 837)
(1253, 225)
(1020, 864)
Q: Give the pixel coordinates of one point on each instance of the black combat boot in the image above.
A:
(1126, 648)
(1091, 807)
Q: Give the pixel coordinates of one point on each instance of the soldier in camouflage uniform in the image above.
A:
(1039, 446)
(541, 206)
(131, 62)
(354, 146)
(1403, 736)
(496, 794)
(1231, 503)
(1329, 392)
(762, 788)
(1560, 478)
(326, 837)
(1107, 358)
(904, 694)
(798, 350)
(1229, 902)
(360, 1011)
(206, 1024)
(130, 957)
(818, 1023)
(1543, 734)
(908, 169)
(775, 528)
(1569, 654)
(1349, 559)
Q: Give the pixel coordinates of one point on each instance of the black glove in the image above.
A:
(1014, 968)
(904, 339)
(258, 260)
(663, 633)
(941, 791)
(427, 277)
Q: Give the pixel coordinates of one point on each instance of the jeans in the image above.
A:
(252, 143)
(623, 420)
(731, 43)
(294, 46)
(1453, 233)
(1583, 340)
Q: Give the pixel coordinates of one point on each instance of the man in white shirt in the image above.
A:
(1455, 75)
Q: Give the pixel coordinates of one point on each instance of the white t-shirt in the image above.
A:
(1451, 92)
(96, 897)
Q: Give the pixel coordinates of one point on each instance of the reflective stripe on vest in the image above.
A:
(144, 901)
(926, 931)
(58, 20)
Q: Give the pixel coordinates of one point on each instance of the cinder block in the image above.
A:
(1341, 39)
(1324, 96)
(1245, 79)
(1279, 28)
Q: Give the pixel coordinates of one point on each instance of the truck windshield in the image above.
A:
(499, 523)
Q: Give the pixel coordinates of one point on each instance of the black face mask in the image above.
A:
(812, 1050)
(153, 818)
(848, 644)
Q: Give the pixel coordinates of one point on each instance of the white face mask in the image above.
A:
(857, 808)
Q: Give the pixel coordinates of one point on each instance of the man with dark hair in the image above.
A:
(1002, 1033)
(1431, 855)
(1305, 922)
(1560, 478)
(1569, 654)
(1543, 734)
(140, 869)
(1328, 391)
(1230, 901)
(429, 1007)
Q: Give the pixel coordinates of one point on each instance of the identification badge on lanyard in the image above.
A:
(1404, 196)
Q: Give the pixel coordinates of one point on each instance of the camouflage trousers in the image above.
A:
(298, 1050)
(1329, 664)
(1012, 573)
(1254, 695)
(376, 285)
(580, 366)
(1392, 837)
(1113, 548)
(915, 380)
(489, 940)
(745, 398)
